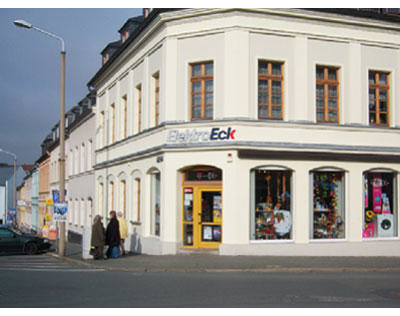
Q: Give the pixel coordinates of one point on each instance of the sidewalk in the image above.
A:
(212, 262)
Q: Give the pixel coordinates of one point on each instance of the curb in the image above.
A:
(272, 269)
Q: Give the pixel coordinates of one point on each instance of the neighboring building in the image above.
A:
(5, 174)
(21, 205)
(7, 188)
(79, 166)
(28, 199)
(35, 199)
(79, 173)
(253, 131)
(44, 189)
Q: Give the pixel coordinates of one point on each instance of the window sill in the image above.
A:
(135, 223)
(276, 241)
(381, 239)
(319, 241)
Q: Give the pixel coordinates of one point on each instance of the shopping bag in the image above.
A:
(114, 252)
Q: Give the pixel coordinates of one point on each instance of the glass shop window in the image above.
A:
(271, 205)
(328, 220)
(155, 203)
(380, 211)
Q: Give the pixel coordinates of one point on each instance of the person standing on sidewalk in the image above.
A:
(98, 238)
(123, 230)
(113, 238)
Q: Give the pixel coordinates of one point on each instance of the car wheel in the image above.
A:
(31, 248)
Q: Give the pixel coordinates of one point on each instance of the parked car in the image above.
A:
(14, 240)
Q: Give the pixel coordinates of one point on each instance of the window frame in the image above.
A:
(202, 78)
(326, 83)
(344, 194)
(269, 78)
(125, 116)
(139, 107)
(377, 87)
(156, 78)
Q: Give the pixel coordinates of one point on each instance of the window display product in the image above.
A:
(272, 215)
(328, 205)
(380, 209)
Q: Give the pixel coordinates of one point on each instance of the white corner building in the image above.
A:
(252, 132)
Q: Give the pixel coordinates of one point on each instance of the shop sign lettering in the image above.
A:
(188, 136)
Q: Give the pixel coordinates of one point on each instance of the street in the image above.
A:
(45, 281)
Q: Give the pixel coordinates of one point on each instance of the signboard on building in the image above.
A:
(49, 201)
(194, 135)
(12, 212)
(56, 195)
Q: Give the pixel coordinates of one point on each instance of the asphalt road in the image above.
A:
(44, 281)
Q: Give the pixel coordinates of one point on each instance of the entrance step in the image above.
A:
(186, 251)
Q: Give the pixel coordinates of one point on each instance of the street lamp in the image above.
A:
(15, 175)
(61, 225)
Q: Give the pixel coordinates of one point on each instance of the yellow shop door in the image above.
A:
(202, 216)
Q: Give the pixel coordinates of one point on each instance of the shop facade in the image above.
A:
(277, 149)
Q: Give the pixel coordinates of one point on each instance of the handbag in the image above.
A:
(92, 251)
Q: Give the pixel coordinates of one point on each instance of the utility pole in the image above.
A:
(61, 225)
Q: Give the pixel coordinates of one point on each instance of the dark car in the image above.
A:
(13, 241)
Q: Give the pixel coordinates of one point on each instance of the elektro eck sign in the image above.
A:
(189, 136)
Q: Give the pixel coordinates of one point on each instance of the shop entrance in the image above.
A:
(202, 208)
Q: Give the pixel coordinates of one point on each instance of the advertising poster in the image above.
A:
(207, 233)
(60, 212)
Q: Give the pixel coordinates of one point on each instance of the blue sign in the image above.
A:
(12, 211)
(56, 195)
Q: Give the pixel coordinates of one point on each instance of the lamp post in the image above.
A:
(15, 175)
(61, 225)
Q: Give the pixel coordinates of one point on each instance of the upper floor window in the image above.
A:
(202, 91)
(327, 94)
(270, 92)
(112, 123)
(378, 98)
(156, 78)
(124, 36)
(124, 116)
(139, 104)
(102, 126)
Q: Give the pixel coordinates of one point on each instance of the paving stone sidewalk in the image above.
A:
(213, 262)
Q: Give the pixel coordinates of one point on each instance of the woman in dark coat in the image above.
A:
(98, 237)
(113, 238)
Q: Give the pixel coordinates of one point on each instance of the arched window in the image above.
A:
(271, 210)
(380, 204)
(328, 204)
(155, 204)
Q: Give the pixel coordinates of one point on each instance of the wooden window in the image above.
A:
(112, 125)
(270, 90)
(139, 103)
(157, 98)
(101, 199)
(111, 195)
(379, 102)
(327, 94)
(202, 91)
(138, 198)
(123, 197)
(103, 126)
(124, 116)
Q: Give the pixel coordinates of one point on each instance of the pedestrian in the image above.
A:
(113, 238)
(123, 230)
(98, 238)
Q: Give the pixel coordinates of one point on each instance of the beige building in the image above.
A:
(253, 131)
(44, 190)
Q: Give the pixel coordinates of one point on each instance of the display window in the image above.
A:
(380, 211)
(271, 216)
(328, 215)
(155, 203)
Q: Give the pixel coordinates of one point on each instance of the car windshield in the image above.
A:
(16, 230)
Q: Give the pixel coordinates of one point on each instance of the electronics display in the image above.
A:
(385, 225)
(379, 217)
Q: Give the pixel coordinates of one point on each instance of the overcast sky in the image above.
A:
(30, 69)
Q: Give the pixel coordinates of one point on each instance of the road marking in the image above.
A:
(50, 270)
(41, 264)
